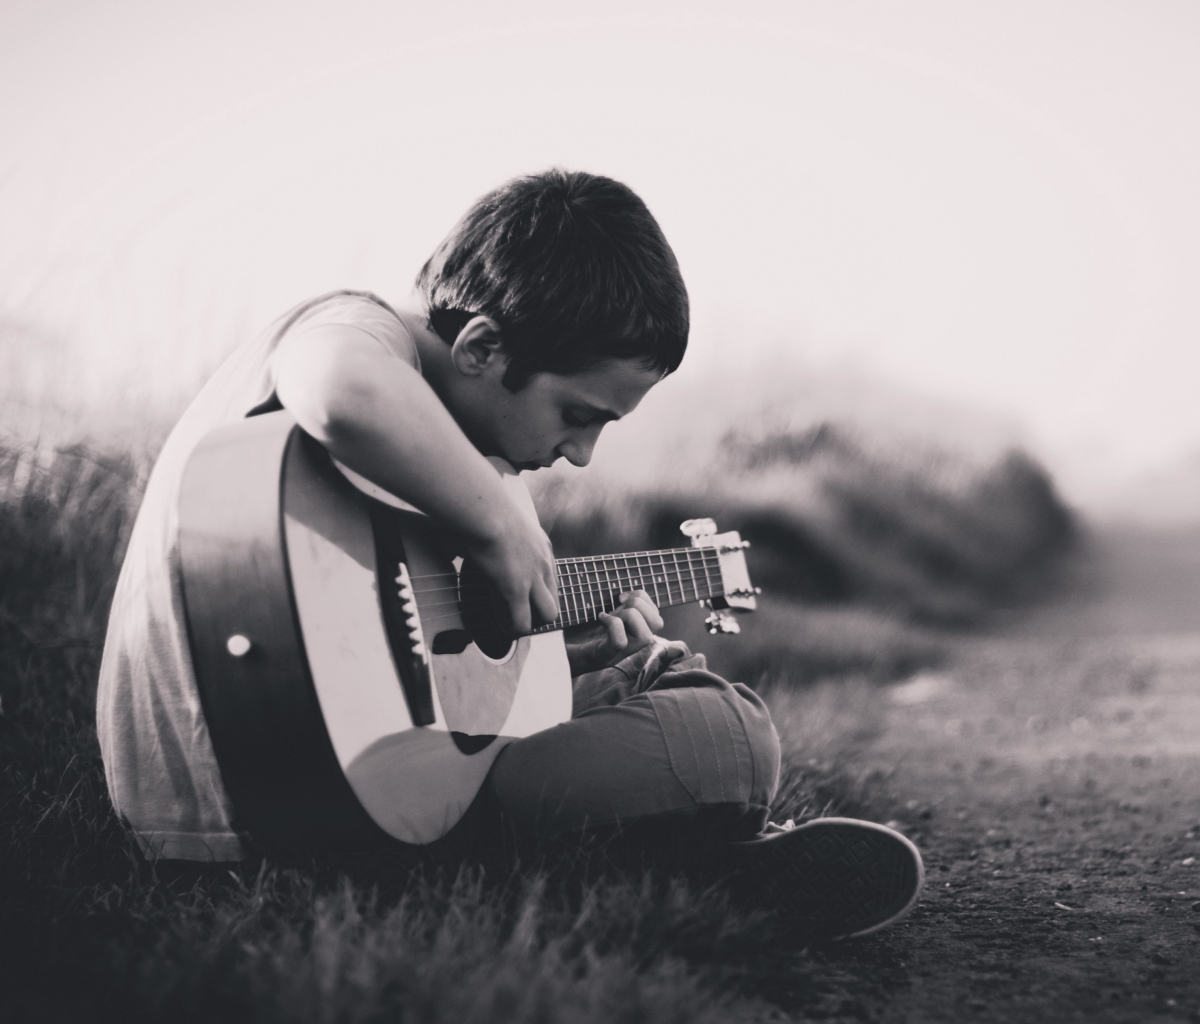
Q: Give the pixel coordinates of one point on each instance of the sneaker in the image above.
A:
(833, 878)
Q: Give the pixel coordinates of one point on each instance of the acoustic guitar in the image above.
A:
(357, 677)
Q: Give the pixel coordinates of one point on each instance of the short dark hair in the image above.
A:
(572, 267)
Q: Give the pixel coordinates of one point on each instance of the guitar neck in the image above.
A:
(588, 587)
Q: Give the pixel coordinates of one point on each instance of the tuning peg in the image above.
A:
(722, 621)
(697, 528)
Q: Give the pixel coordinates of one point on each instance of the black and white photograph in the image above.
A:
(635, 513)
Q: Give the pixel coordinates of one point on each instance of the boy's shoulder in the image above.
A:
(361, 310)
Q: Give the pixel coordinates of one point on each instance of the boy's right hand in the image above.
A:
(518, 559)
(376, 414)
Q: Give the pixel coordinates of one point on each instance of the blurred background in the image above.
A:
(942, 258)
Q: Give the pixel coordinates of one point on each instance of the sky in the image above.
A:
(991, 205)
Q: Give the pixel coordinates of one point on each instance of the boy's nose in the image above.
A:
(577, 453)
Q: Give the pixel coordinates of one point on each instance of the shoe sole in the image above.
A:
(836, 878)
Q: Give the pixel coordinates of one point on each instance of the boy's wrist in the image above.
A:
(491, 519)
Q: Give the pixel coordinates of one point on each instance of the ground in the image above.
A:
(1051, 775)
(1047, 769)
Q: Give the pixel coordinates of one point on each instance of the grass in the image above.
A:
(89, 931)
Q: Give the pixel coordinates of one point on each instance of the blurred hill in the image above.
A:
(873, 498)
(876, 521)
(832, 521)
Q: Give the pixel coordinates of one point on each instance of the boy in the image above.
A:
(550, 310)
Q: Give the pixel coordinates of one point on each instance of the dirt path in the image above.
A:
(1052, 778)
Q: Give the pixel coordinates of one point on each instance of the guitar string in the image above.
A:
(566, 617)
(586, 590)
(591, 578)
(705, 552)
(482, 592)
(588, 586)
(603, 606)
(584, 576)
(681, 584)
(572, 590)
(584, 612)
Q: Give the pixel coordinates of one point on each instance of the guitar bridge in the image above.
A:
(401, 621)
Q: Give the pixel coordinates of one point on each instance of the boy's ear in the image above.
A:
(478, 347)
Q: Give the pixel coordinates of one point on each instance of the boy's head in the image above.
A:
(573, 269)
(561, 304)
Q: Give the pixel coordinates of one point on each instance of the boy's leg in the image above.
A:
(690, 744)
(688, 766)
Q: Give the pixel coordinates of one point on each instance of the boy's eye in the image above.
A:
(574, 419)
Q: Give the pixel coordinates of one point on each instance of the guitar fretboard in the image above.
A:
(589, 586)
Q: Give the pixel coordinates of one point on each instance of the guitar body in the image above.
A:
(347, 702)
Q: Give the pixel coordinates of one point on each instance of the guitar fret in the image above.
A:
(581, 595)
(609, 597)
(659, 577)
(661, 574)
(602, 590)
(656, 579)
(580, 589)
(708, 587)
(574, 606)
(591, 585)
(679, 576)
(705, 583)
(679, 565)
(595, 597)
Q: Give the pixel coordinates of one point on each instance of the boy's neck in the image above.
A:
(436, 364)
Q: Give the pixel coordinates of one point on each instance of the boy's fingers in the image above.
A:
(550, 580)
(635, 622)
(617, 636)
(519, 612)
(639, 601)
(544, 604)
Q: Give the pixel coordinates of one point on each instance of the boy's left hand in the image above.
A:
(627, 628)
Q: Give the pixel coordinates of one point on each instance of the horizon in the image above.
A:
(991, 209)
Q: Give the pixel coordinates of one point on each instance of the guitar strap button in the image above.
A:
(238, 645)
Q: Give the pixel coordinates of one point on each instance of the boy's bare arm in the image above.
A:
(377, 414)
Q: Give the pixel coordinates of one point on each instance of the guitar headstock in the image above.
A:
(735, 577)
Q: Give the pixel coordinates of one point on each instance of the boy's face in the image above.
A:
(554, 415)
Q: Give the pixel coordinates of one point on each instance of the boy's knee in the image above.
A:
(720, 738)
(761, 735)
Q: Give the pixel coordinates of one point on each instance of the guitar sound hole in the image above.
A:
(484, 613)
